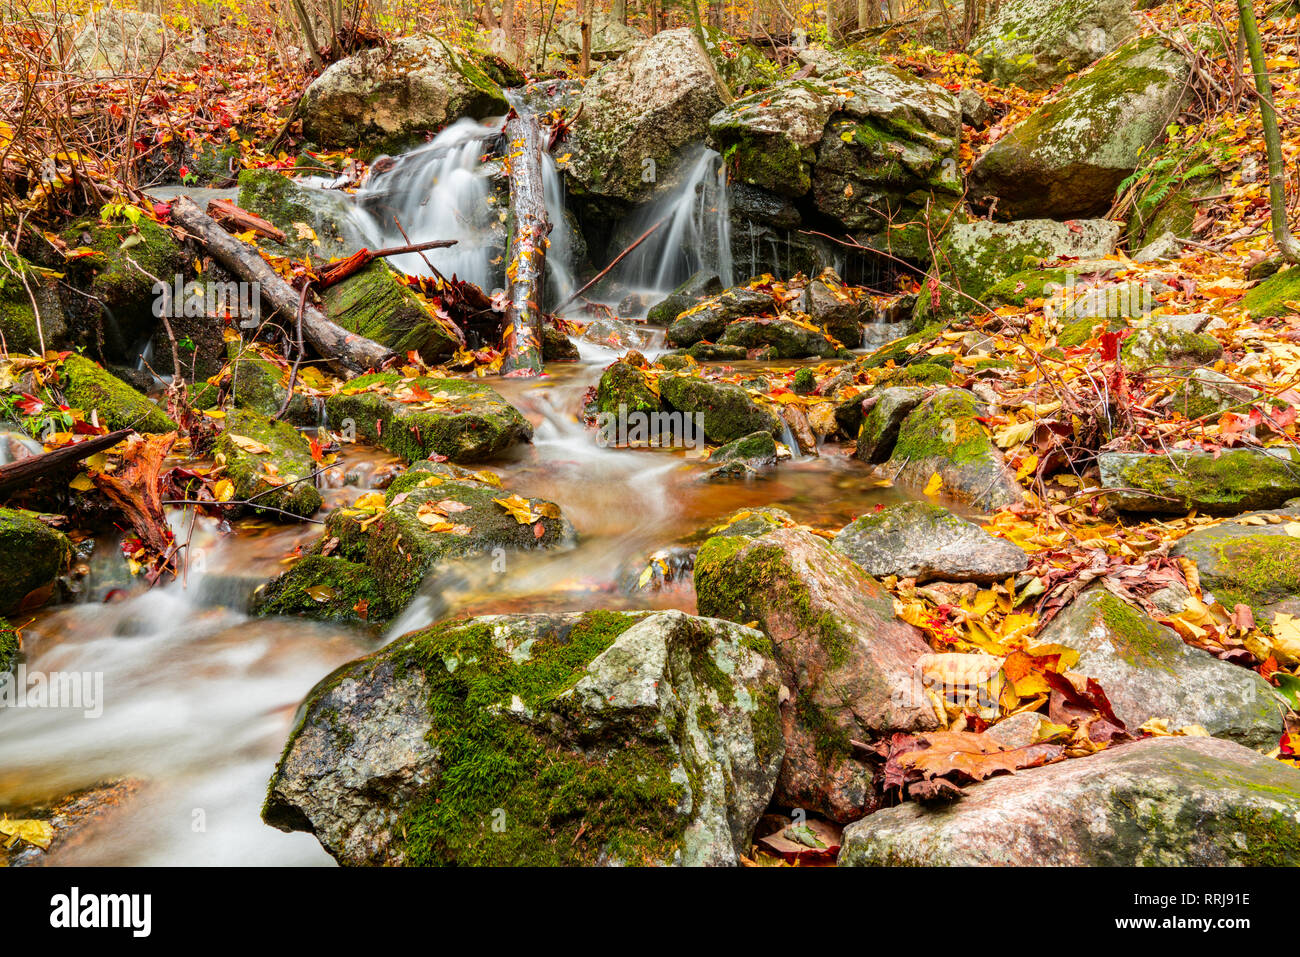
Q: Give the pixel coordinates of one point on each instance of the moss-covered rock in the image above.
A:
(269, 461)
(29, 309)
(416, 418)
(32, 557)
(375, 304)
(709, 319)
(386, 97)
(1068, 156)
(1205, 392)
(877, 432)
(943, 436)
(1158, 802)
(1035, 44)
(326, 588)
(1236, 480)
(433, 514)
(728, 411)
(623, 388)
(1271, 296)
(10, 648)
(845, 657)
(785, 339)
(699, 286)
(1149, 672)
(87, 386)
(260, 385)
(1164, 346)
(275, 197)
(745, 456)
(573, 739)
(1255, 565)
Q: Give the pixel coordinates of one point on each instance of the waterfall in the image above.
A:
(696, 235)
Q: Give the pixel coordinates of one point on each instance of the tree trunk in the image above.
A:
(343, 350)
(526, 257)
(1286, 243)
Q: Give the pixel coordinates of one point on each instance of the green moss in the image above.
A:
(510, 793)
(326, 588)
(375, 304)
(32, 557)
(917, 374)
(129, 257)
(18, 315)
(1233, 481)
(623, 387)
(278, 479)
(1271, 296)
(1075, 334)
(944, 426)
(729, 413)
(9, 648)
(1256, 570)
(88, 387)
(805, 381)
(1272, 839)
(1138, 639)
(1162, 346)
(897, 351)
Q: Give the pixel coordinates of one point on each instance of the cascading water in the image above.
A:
(695, 235)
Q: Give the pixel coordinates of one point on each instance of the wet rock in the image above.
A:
(10, 648)
(283, 202)
(1147, 671)
(642, 109)
(927, 542)
(699, 286)
(829, 303)
(432, 514)
(942, 435)
(75, 820)
(976, 256)
(709, 319)
(728, 411)
(375, 304)
(1160, 801)
(261, 386)
(557, 347)
(878, 430)
(115, 404)
(415, 418)
(846, 661)
(1247, 563)
(29, 310)
(745, 456)
(623, 388)
(1067, 158)
(786, 339)
(384, 98)
(32, 557)
(617, 334)
(709, 352)
(269, 460)
(573, 739)
(1237, 480)
(1035, 44)
(854, 141)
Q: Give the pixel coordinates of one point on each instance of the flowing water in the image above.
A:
(198, 698)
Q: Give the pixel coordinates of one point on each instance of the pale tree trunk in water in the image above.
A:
(1286, 243)
(585, 27)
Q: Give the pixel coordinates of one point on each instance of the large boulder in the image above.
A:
(1035, 44)
(846, 660)
(638, 112)
(32, 557)
(1160, 801)
(1148, 671)
(943, 436)
(423, 416)
(381, 551)
(858, 143)
(386, 97)
(1067, 157)
(782, 338)
(570, 739)
(975, 257)
(926, 542)
(1176, 482)
(709, 319)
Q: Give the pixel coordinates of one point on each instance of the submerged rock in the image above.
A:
(926, 542)
(270, 461)
(1147, 671)
(745, 456)
(943, 436)
(375, 304)
(1068, 156)
(1034, 44)
(384, 98)
(431, 514)
(573, 739)
(1160, 801)
(418, 417)
(637, 113)
(1236, 480)
(32, 557)
(845, 659)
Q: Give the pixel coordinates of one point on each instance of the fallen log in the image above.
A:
(344, 350)
(526, 254)
(238, 220)
(332, 274)
(25, 471)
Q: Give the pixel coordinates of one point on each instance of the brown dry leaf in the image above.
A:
(973, 755)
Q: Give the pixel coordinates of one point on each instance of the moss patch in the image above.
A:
(89, 387)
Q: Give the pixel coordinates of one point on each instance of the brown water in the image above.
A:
(198, 698)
